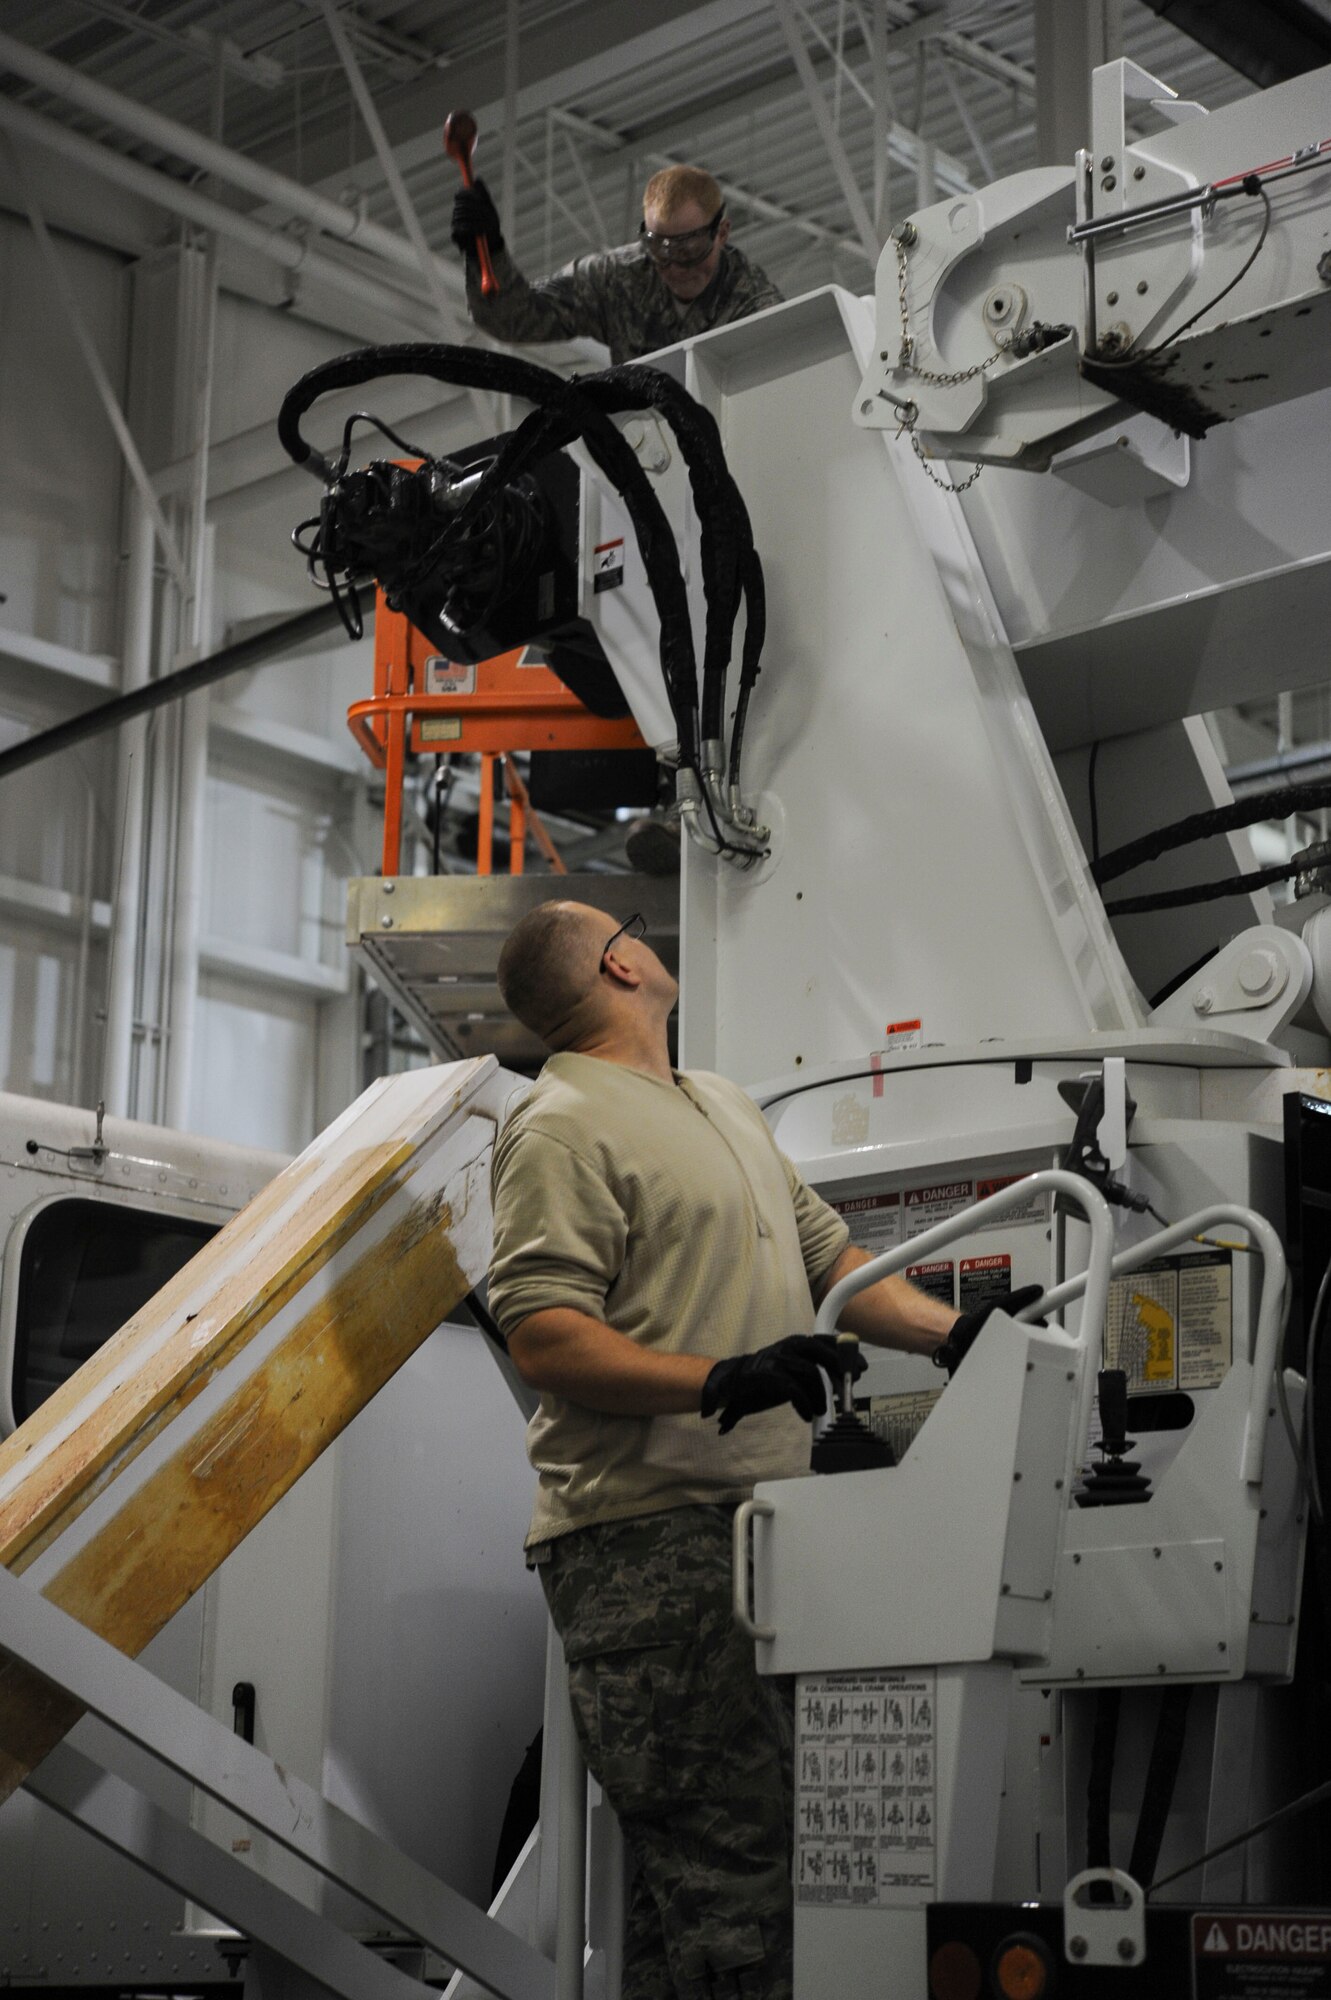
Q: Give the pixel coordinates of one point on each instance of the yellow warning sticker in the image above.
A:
(1170, 1324)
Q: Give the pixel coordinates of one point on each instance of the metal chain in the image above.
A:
(905, 362)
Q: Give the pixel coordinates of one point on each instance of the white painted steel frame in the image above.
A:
(188, 1740)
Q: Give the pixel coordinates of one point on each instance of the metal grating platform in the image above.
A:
(433, 942)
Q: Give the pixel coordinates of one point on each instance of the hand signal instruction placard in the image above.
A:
(865, 1799)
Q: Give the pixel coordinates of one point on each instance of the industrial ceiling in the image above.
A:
(604, 91)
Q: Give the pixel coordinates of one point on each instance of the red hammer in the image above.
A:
(460, 144)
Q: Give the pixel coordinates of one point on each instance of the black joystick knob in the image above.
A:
(1117, 1481)
(848, 1445)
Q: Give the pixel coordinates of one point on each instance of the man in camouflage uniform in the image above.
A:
(654, 1258)
(682, 275)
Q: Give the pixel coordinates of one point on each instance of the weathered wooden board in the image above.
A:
(122, 1494)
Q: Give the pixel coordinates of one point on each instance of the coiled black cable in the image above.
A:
(582, 407)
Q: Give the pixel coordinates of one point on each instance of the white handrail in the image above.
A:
(1262, 1354)
(1094, 1282)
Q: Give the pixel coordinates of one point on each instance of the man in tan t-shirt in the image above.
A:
(657, 1262)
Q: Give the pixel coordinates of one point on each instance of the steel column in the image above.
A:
(123, 946)
(1072, 37)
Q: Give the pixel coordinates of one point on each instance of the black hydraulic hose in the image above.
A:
(1161, 1778)
(755, 632)
(1204, 892)
(1280, 803)
(1103, 1745)
(727, 540)
(511, 375)
(252, 651)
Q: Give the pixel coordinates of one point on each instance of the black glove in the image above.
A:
(474, 214)
(785, 1372)
(953, 1351)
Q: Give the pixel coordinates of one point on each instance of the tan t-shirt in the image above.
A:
(667, 1211)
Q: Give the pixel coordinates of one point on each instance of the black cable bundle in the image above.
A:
(565, 410)
(1281, 802)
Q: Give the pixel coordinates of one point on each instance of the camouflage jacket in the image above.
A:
(616, 296)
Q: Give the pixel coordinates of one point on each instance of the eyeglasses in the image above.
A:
(636, 927)
(692, 246)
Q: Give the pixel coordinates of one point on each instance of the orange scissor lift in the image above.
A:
(425, 702)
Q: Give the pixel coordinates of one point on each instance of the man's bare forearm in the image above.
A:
(892, 1313)
(571, 1354)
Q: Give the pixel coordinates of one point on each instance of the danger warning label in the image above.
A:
(875, 1220)
(608, 565)
(983, 1280)
(923, 1207)
(1261, 1955)
(934, 1279)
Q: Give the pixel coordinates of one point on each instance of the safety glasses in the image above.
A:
(692, 246)
(636, 927)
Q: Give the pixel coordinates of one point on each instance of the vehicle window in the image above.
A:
(87, 1267)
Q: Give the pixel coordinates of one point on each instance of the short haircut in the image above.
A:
(547, 966)
(675, 187)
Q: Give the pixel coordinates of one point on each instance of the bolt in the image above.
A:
(1016, 1477)
(1058, 1486)
(1081, 1673)
(1218, 1568)
(1204, 1001)
(1077, 1947)
(1141, 286)
(1161, 1667)
(1139, 173)
(1111, 298)
(1223, 1648)
(389, 887)
(1076, 1559)
(1257, 970)
(386, 922)
(1156, 1554)
(1107, 164)
(1109, 183)
(907, 236)
(1126, 1948)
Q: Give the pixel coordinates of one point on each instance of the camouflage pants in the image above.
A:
(691, 1747)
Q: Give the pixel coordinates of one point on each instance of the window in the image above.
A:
(86, 1268)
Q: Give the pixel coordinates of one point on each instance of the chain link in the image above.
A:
(909, 413)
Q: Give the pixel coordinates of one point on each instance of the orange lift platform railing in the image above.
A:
(424, 702)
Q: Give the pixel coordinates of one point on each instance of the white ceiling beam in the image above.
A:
(968, 123)
(571, 56)
(734, 191)
(827, 132)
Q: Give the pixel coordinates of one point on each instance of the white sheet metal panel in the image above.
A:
(848, 1571)
(924, 864)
